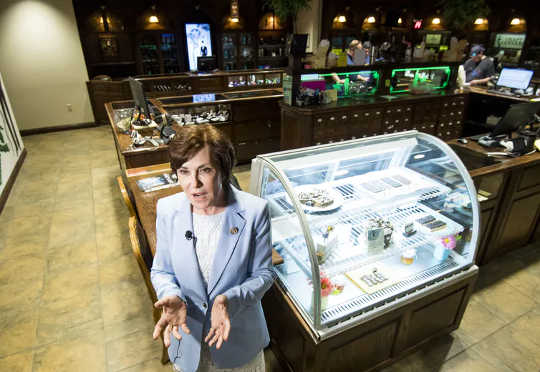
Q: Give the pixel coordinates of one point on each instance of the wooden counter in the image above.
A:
(145, 202)
(440, 114)
(484, 91)
(510, 205)
(253, 127)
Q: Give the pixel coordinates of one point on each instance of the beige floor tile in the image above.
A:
(84, 354)
(478, 322)
(17, 294)
(17, 330)
(43, 208)
(132, 350)
(71, 226)
(109, 226)
(60, 258)
(528, 326)
(124, 300)
(143, 323)
(22, 227)
(152, 365)
(111, 247)
(503, 300)
(54, 330)
(497, 271)
(470, 361)
(25, 268)
(21, 362)
(122, 268)
(66, 285)
(35, 245)
(509, 348)
(527, 282)
(83, 206)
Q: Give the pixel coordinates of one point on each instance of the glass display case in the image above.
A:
(364, 224)
(420, 79)
(347, 84)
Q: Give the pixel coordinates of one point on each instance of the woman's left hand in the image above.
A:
(220, 323)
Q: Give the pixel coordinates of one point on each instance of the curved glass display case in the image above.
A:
(365, 224)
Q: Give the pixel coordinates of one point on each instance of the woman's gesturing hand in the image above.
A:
(220, 323)
(173, 315)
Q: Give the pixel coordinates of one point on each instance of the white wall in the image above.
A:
(308, 21)
(42, 63)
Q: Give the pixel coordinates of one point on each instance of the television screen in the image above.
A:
(207, 97)
(433, 39)
(509, 41)
(515, 78)
(199, 42)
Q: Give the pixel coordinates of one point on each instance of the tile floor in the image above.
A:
(71, 296)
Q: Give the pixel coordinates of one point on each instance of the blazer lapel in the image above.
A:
(232, 229)
(186, 249)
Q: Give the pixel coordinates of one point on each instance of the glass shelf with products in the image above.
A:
(366, 222)
(419, 79)
(347, 84)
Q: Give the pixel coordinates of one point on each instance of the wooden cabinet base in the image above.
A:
(370, 345)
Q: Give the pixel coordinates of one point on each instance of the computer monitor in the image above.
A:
(515, 78)
(433, 39)
(137, 92)
(517, 116)
(206, 63)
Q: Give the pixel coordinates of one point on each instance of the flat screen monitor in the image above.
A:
(207, 97)
(206, 63)
(199, 42)
(517, 115)
(433, 39)
(515, 78)
(137, 92)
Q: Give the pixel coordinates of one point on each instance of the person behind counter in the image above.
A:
(213, 260)
(479, 68)
(352, 53)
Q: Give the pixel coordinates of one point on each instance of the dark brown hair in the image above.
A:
(189, 140)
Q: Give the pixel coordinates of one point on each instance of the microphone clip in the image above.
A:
(188, 235)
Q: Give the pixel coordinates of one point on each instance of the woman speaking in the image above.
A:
(213, 260)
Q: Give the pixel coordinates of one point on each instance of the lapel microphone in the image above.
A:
(188, 235)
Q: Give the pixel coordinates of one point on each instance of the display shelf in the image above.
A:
(376, 217)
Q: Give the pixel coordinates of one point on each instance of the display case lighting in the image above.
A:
(436, 21)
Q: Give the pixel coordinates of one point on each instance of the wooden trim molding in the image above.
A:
(58, 128)
(11, 180)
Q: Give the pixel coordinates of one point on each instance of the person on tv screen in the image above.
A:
(479, 68)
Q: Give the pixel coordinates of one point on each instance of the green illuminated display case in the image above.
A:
(347, 84)
(419, 79)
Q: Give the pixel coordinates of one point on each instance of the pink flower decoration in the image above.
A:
(449, 242)
(326, 286)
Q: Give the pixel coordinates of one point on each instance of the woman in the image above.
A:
(213, 260)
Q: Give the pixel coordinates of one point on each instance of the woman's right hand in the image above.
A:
(173, 315)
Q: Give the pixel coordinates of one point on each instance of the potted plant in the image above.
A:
(288, 8)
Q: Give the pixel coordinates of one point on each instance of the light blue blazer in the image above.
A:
(241, 271)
